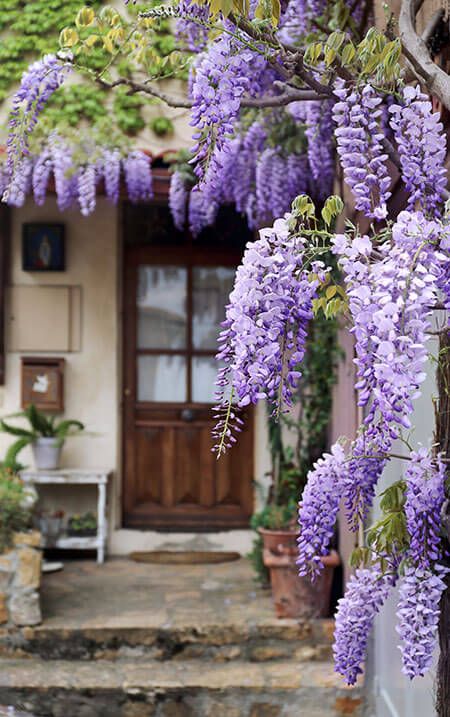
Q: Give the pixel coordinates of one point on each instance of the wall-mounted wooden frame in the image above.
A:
(43, 383)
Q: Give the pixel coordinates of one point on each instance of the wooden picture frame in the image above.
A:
(43, 247)
(42, 382)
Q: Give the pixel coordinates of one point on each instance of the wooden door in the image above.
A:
(175, 296)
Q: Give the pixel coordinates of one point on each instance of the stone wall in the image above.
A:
(20, 581)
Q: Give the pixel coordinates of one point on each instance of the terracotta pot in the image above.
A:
(294, 596)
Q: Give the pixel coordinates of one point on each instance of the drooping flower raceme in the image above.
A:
(191, 29)
(318, 510)
(425, 492)
(86, 190)
(263, 339)
(366, 592)
(37, 85)
(418, 616)
(225, 72)
(319, 131)
(42, 171)
(359, 144)
(178, 195)
(138, 176)
(422, 148)
(110, 168)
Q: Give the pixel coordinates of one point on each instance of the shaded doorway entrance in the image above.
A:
(175, 291)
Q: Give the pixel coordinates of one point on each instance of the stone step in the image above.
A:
(192, 688)
(262, 641)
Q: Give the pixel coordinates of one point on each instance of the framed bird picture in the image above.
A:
(43, 247)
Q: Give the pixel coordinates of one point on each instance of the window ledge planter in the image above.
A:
(20, 581)
(294, 596)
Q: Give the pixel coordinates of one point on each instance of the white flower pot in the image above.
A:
(47, 453)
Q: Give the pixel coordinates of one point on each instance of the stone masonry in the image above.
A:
(20, 581)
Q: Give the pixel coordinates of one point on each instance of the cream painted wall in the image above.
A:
(91, 393)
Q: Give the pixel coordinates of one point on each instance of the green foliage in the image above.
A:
(375, 58)
(15, 516)
(162, 126)
(128, 112)
(30, 29)
(82, 524)
(40, 425)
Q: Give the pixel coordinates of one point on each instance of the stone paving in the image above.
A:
(139, 640)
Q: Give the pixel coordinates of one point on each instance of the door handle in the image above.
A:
(187, 414)
(127, 392)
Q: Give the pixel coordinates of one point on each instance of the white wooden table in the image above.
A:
(75, 476)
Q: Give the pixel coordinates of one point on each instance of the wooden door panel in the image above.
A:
(172, 480)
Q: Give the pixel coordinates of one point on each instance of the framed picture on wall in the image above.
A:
(43, 383)
(43, 247)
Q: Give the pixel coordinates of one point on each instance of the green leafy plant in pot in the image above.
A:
(275, 544)
(15, 507)
(45, 434)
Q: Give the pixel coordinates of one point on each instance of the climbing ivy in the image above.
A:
(30, 28)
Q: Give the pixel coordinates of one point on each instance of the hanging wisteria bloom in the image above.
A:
(263, 340)
(318, 510)
(359, 144)
(178, 196)
(319, 131)
(38, 83)
(86, 189)
(422, 146)
(201, 214)
(138, 176)
(191, 29)
(110, 169)
(42, 171)
(223, 75)
(366, 592)
(418, 616)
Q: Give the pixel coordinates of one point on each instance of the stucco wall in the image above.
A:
(91, 393)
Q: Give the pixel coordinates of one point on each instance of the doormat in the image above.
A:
(184, 557)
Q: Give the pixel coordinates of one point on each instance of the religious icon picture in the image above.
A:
(43, 247)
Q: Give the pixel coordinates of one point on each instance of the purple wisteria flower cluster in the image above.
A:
(191, 27)
(359, 140)
(366, 592)
(224, 73)
(263, 339)
(178, 196)
(37, 85)
(422, 147)
(77, 182)
(418, 616)
(318, 510)
(321, 156)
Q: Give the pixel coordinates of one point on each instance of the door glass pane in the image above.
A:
(161, 378)
(204, 374)
(161, 305)
(211, 288)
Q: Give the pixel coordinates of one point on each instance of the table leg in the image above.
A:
(101, 519)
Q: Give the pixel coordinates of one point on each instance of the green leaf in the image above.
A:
(14, 450)
(15, 430)
(63, 429)
(85, 17)
(331, 291)
(68, 37)
(348, 54)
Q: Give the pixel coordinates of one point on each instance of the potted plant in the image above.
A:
(82, 526)
(275, 544)
(50, 524)
(16, 504)
(45, 434)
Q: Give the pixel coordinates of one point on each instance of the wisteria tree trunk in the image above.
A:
(443, 440)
